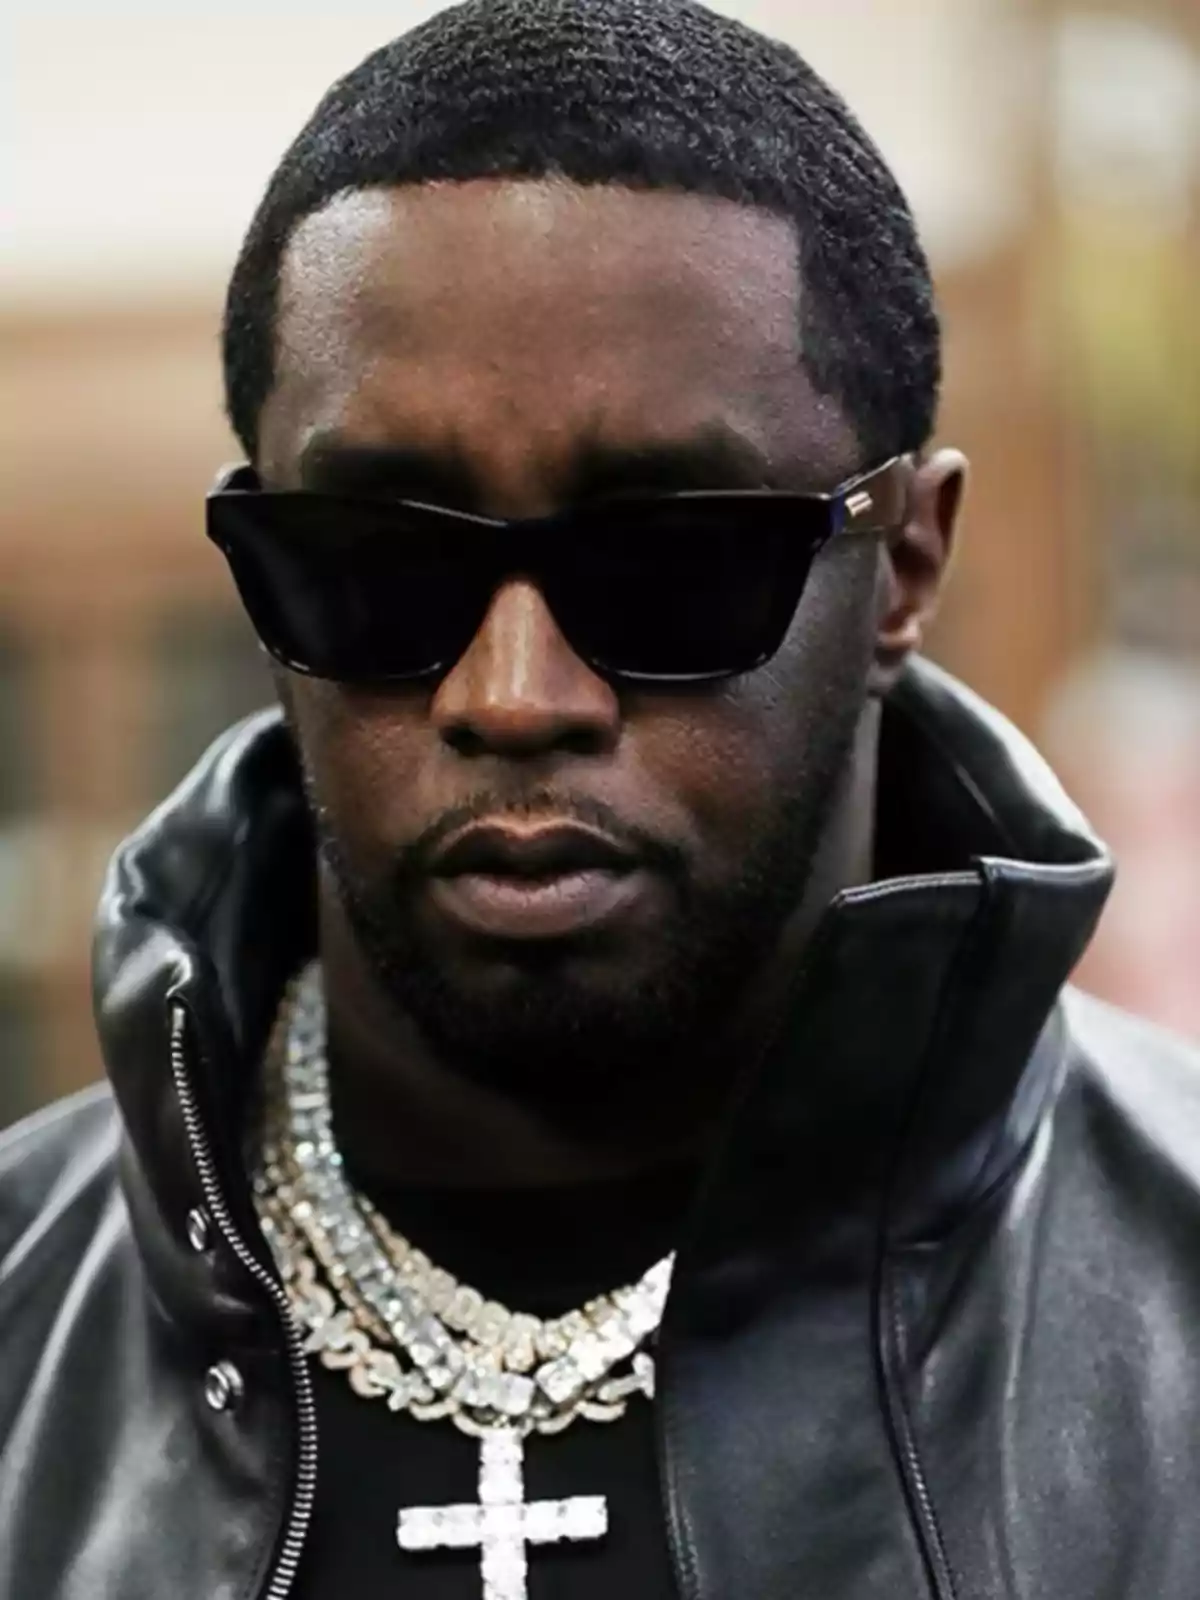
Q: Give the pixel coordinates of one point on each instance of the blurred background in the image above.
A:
(1052, 151)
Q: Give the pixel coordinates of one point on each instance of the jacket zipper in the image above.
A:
(283, 1576)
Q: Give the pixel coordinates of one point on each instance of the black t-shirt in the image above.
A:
(544, 1252)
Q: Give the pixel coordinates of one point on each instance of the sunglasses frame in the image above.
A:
(874, 501)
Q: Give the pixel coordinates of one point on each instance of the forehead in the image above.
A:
(507, 319)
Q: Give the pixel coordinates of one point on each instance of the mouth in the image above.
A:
(545, 883)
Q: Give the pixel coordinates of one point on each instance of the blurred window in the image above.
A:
(18, 1041)
(19, 788)
(208, 672)
(19, 793)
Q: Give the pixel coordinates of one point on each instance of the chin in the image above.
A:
(540, 1016)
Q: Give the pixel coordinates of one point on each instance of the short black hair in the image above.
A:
(650, 94)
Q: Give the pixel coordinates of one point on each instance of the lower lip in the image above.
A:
(536, 908)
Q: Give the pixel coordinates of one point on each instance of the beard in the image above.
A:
(579, 1027)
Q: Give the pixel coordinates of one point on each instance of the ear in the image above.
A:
(915, 560)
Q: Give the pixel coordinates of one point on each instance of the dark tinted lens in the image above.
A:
(349, 590)
(683, 588)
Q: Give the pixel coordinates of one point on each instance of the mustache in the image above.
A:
(415, 860)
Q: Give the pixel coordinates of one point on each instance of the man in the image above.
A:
(594, 1107)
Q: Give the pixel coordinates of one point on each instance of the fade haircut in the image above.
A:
(647, 94)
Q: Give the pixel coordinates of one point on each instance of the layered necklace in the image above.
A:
(407, 1333)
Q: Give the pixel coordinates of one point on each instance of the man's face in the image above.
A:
(492, 345)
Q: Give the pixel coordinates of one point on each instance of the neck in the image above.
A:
(404, 1116)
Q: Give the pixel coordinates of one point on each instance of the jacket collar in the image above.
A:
(921, 1046)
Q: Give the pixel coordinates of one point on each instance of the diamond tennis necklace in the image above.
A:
(408, 1333)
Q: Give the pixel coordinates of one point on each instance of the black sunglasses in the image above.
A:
(676, 588)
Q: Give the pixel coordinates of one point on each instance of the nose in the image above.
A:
(520, 689)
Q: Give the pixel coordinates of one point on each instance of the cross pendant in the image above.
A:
(504, 1522)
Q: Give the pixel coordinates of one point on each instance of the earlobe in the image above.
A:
(914, 562)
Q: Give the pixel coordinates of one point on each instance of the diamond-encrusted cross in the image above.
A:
(503, 1523)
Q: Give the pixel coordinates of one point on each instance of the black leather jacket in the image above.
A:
(935, 1328)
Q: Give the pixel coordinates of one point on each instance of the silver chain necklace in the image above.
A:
(408, 1333)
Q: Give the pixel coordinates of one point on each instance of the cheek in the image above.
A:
(358, 753)
(741, 754)
(721, 756)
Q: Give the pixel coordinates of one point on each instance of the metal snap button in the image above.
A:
(223, 1386)
(198, 1228)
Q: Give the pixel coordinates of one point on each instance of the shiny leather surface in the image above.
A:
(935, 1330)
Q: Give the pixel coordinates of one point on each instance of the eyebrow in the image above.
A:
(441, 477)
(714, 457)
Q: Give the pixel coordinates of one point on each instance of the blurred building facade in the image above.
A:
(1052, 151)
